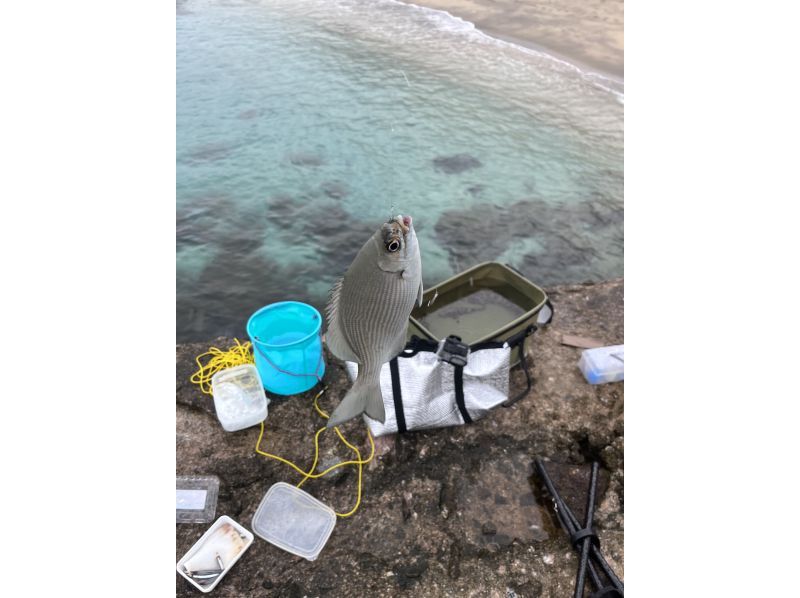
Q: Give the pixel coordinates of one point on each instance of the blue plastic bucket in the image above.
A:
(287, 346)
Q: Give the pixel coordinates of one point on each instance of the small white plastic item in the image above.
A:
(239, 397)
(196, 498)
(294, 520)
(223, 544)
(603, 364)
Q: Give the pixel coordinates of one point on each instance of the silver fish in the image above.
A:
(368, 313)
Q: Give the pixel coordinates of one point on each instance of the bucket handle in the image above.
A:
(282, 371)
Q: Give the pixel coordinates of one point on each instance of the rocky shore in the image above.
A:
(449, 512)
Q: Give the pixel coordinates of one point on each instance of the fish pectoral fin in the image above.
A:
(391, 266)
(398, 345)
(419, 294)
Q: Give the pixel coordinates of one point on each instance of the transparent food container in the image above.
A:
(239, 397)
(294, 520)
(196, 498)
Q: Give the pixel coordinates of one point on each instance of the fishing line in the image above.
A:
(240, 354)
(392, 178)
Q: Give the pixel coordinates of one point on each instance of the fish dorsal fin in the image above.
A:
(334, 337)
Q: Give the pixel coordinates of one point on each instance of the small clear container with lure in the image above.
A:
(214, 554)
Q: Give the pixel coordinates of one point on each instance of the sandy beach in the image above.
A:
(587, 32)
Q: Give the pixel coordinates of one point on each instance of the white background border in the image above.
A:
(87, 185)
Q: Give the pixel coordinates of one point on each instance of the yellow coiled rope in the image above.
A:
(240, 354)
(219, 360)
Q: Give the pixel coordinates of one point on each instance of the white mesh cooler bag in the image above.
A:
(435, 385)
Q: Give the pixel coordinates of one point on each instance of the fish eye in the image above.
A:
(393, 245)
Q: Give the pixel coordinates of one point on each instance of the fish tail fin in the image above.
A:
(364, 397)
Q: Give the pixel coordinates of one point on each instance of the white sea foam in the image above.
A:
(445, 21)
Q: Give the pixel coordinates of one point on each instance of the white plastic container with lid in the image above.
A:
(294, 520)
(214, 554)
(239, 397)
(603, 364)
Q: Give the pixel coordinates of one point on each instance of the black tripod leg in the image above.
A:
(597, 555)
(580, 580)
(570, 524)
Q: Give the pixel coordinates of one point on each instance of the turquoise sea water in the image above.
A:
(303, 124)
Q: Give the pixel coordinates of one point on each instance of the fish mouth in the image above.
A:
(404, 222)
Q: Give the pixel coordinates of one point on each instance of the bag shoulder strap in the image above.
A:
(400, 415)
(519, 340)
(458, 382)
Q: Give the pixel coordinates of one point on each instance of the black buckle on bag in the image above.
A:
(453, 351)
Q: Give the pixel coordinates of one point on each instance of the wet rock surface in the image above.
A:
(335, 189)
(299, 217)
(306, 159)
(456, 164)
(567, 236)
(449, 512)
